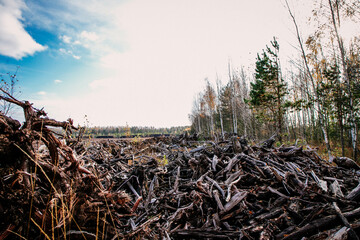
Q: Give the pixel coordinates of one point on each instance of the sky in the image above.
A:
(135, 62)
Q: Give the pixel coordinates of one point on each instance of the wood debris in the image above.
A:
(168, 188)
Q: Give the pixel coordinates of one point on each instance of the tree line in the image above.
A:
(127, 131)
(318, 101)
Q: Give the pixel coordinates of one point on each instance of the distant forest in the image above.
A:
(317, 101)
(126, 131)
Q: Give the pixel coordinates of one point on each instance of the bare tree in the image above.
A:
(8, 85)
(233, 99)
(210, 101)
(218, 87)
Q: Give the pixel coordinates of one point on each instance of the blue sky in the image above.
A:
(132, 61)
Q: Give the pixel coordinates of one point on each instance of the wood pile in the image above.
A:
(168, 188)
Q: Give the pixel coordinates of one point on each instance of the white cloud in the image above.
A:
(84, 38)
(57, 81)
(76, 57)
(69, 52)
(42, 93)
(65, 39)
(63, 51)
(91, 36)
(15, 41)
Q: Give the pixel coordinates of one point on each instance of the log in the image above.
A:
(204, 233)
(320, 224)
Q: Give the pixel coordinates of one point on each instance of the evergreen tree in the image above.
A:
(268, 92)
(225, 99)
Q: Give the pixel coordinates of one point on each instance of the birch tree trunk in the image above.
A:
(218, 86)
(233, 101)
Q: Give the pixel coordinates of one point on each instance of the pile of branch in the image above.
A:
(168, 188)
(229, 190)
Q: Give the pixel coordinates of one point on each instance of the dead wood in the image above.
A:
(121, 189)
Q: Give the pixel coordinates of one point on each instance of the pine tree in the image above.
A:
(269, 89)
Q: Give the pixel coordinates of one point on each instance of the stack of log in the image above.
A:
(168, 188)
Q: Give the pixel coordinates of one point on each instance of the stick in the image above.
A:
(352, 233)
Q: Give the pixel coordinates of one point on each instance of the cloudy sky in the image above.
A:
(132, 61)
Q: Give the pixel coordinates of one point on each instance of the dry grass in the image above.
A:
(56, 220)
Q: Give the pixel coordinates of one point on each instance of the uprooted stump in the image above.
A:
(168, 188)
(45, 190)
(35, 128)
